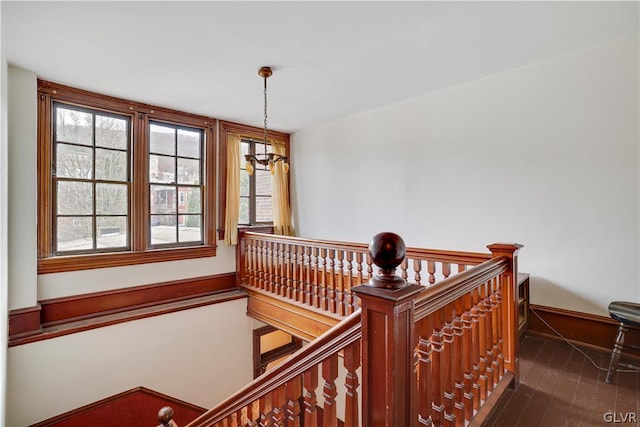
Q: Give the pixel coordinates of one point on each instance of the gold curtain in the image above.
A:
(232, 210)
(280, 196)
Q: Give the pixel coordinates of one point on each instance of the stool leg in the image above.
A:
(616, 353)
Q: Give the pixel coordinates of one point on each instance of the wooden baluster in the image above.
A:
(331, 285)
(233, 420)
(495, 336)
(351, 364)
(482, 347)
(279, 400)
(283, 267)
(295, 283)
(424, 353)
(324, 281)
(417, 267)
(431, 269)
(302, 287)
(458, 350)
(329, 392)
(446, 367)
(437, 342)
(404, 266)
(315, 288)
(475, 350)
(259, 278)
(271, 265)
(349, 297)
(253, 413)
(265, 411)
(461, 268)
(369, 267)
(359, 268)
(446, 269)
(466, 359)
(294, 392)
(310, 380)
(289, 255)
(340, 309)
(489, 336)
(501, 315)
(254, 265)
(308, 278)
(264, 268)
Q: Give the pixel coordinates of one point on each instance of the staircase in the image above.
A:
(386, 350)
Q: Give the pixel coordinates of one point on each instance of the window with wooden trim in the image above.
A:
(121, 182)
(255, 190)
(247, 133)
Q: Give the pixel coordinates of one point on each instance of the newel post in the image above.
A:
(240, 259)
(510, 301)
(387, 302)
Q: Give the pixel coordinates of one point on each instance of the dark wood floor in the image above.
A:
(560, 387)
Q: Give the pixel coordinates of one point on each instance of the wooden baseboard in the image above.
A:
(138, 406)
(588, 330)
(61, 316)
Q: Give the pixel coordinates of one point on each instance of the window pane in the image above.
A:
(188, 171)
(162, 169)
(189, 200)
(74, 198)
(189, 143)
(163, 229)
(163, 199)
(162, 139)
(111, 165)
(112, 232)
(74, 126)
(190, 228)
(244, 183)
(264, 211)
(263, 183)
(111, 132)
(111, 199)
(73, 161)
(244, 211)
(74, 234)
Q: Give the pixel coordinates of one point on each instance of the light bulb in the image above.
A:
(285, 167)
(272, 169)
(249, 168)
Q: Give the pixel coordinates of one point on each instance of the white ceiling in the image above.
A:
(330, 59)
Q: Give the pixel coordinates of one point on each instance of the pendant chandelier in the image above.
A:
(265, 159)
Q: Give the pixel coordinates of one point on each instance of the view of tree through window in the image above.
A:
(175, 177)
(255, 190)
(91, 180)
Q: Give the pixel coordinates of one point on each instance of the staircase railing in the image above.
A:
(288, 394)
(320, 274)
(435, 356)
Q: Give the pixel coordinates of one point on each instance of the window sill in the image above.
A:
(61, 264)
(263, 228)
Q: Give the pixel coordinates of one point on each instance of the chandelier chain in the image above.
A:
(265, 115)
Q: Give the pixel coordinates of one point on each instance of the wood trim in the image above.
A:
(58, 311)
(296, 319)
(24, 322)
(588, 330)
(66, 315)
(247, 132)
(176, 403)
(140, 114)
(261, 360)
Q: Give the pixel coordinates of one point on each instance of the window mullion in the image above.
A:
(140, 193)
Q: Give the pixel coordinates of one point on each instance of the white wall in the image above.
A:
(200, 356)
(4, 291)
(545, 155)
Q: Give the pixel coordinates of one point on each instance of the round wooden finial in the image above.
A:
(265, 72)
(165, 415)
(387, 252)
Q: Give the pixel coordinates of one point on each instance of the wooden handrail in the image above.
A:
(343, 334)
(452, 288)
(420, 253)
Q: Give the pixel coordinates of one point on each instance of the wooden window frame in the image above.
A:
(245, 132)
(140, 115)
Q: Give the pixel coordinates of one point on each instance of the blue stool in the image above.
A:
(628, 314)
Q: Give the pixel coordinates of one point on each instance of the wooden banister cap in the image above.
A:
(387, 252)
